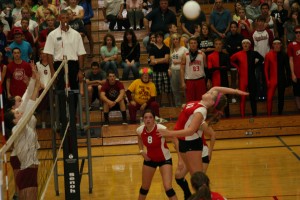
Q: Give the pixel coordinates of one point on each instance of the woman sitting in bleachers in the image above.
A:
(109, 54)
(130, 52)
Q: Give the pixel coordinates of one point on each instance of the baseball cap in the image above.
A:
(17, 30)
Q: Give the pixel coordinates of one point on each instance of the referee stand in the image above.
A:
(61, 112)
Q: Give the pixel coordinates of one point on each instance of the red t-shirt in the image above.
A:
(294, 51)
(17, 73)
(112, 91)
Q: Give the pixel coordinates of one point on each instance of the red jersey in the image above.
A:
(186, 116)
(216, 196)
(16, 73)
(294, 51)
(157, 149)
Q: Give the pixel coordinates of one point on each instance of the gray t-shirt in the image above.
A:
(93, 77)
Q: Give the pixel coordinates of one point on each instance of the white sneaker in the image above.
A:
(131, 28)
(138, 28)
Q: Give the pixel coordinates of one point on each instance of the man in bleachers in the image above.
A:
(262, 40)
(141, 95)
(220, 19)
(95, 78)
(192, 72)
(112, 11)
(33, 26)
(159, 18)
(19, 42)
(159, 60)
(18, 71)
(112, 95)
(253, 10)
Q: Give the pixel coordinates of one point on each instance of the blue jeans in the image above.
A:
(126, 70)
(110, 65)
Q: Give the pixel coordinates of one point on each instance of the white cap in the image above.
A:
(246, 40)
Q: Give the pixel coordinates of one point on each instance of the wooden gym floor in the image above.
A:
(264, 168)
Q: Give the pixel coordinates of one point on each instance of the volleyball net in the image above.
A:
(45, 153)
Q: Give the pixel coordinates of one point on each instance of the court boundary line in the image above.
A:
(288, 147)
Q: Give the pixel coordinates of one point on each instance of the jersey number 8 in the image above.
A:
(149, 139)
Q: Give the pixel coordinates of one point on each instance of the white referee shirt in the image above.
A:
(60, 43)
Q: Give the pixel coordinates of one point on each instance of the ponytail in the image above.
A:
(203, 193)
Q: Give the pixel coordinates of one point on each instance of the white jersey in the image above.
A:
(27, 144)
(194, 70)
(44, 72)
(177, 56)
(261, 42)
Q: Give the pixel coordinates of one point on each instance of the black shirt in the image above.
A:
(128, 53)
(160, 20)
(160, 53)
(233, 43)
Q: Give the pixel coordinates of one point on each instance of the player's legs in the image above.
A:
(166, 174)
(147, 175)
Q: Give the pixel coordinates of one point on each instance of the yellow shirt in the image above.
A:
(167, 42)
(142, 92)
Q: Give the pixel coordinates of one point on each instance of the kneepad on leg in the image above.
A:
(170, 192)
(143, 191)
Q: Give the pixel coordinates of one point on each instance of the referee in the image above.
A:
(65, 41)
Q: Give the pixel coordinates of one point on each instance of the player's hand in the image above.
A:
(240, 92)
(146, 158)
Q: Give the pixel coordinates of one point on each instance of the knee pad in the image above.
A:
(143, 191)
(170, 192)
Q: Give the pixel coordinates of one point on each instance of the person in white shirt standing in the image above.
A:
(65, 41)
(43, 69)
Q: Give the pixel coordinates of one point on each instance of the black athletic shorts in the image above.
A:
(158, 164)
(190, 145)
(205, 159)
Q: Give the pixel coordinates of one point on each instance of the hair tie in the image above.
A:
(218, 99)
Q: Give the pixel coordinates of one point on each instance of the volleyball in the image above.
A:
(191, 10)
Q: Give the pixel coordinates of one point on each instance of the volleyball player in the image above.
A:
(190, 119)
(157, 155)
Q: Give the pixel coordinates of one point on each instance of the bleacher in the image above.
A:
(234, 127)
